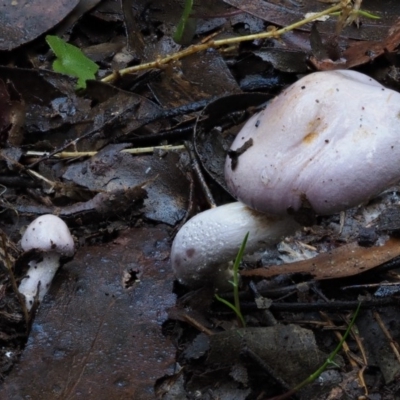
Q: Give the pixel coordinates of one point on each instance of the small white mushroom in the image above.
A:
(205, 246)
(329, 142)
(49, 235)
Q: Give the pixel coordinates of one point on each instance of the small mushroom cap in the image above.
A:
(329, 142)
(207, 243)
(48, 233)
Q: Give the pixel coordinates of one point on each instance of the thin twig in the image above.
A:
(76, 154)
(199, 174)
(196, 324)
(339, 336)
(218, 43)
(393, 344)
(356, 336)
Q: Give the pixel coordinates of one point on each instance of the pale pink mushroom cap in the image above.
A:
(330, 141)
(48, 233)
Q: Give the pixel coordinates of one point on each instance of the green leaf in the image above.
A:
(71, 61)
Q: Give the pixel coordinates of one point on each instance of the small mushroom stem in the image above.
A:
(204, 248)
(39, 277)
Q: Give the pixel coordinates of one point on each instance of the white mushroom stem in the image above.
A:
(204, 248)
(38, 278)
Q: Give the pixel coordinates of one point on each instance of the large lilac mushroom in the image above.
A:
(329, 142)
(51, 237)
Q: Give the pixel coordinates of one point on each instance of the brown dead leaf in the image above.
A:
(12, 115)
(284, 13)
(289, 350)
(111, 170)
(194, 78)
(51, 102)
(350, 259)
(359, 53)
(97, 334)
(23, 21)
(358, 44)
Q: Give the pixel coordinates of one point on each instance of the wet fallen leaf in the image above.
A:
(23, 21)
(195, 77)
(12, 115)
(354, 46)
(111, 170)
(374, 338)
(389, 219)
(133, 111)
(50, 99)
(350, 259)
(98, 333)
(358, 53)
(290, 351)
(193, 82)
(289, 12)
(70, 20)
(105, 205)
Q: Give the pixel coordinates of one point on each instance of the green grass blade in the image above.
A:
(235, 283)
(180, 29)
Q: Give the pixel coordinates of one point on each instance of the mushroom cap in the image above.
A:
(208, 242)
(329, 142)
(48, 233)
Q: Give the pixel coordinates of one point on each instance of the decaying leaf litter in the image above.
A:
(134, 333)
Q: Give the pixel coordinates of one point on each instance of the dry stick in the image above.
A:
(191, 203)
(196, 324)
(75, 154)
(363, 384)
(21, 168)
(326, 326)
(333, 306)
(217, 43)
(263, 364)
(197, 170)
(339, 336)
(359, 342)
(393, 344)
